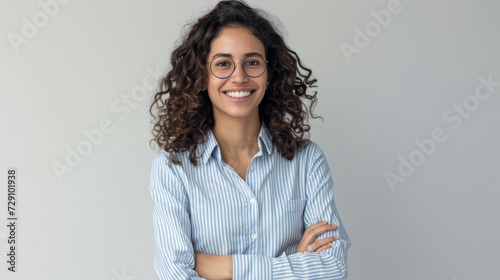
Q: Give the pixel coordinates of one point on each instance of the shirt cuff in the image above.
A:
(252, 267)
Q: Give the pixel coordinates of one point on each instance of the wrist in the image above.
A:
(228, 269)
(214, 266)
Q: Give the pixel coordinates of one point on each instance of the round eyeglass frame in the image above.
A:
(234, 68)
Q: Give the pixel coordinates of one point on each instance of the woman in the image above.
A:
(237, 183)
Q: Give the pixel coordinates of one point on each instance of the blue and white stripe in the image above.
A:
(210, 209)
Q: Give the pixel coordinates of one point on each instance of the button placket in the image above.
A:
(254, 226)
(253, 206)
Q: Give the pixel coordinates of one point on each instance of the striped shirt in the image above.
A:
(210, 209)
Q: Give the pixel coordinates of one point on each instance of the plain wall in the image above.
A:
(416, 79)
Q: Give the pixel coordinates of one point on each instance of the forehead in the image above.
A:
(236, 41)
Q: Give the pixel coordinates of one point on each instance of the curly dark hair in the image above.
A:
(184, 115)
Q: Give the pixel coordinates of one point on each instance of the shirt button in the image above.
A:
(254, 236)
(252, 168)
(252, 200)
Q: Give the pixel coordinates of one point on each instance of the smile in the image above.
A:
(238, 94)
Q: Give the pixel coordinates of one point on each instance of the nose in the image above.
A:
(238, 74)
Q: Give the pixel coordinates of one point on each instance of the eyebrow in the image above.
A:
(247, 55)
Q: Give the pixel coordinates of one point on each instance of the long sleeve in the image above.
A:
(174, 255)
(328, 264)
(208, 208)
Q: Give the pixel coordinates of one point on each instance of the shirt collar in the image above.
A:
(266, 139)
(207, 149)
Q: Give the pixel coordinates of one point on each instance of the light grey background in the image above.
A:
(96, 222)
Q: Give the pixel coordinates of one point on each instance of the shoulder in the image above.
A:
(162, 159)
(312, 158)
(163, 165)
(165, 175)
(310, 151)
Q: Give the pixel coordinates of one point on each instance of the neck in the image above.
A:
(237, 138)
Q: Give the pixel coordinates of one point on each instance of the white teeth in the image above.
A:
(238, 94)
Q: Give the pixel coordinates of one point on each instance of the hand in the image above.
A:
(314, 231)
(213, 266)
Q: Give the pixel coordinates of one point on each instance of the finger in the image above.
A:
(322, 242)
(321, 226)
(308, 232)
(324, 247)
(322, 223)
(317, 231)
(312, 232)
(322, 229)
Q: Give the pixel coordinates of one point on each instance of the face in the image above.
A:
(238, 96)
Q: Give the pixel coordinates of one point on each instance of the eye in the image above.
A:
(253, 62)
(223, 63)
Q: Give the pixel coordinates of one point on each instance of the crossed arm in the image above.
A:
(221, 266)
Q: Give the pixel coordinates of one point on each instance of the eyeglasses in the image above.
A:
(223, 67)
